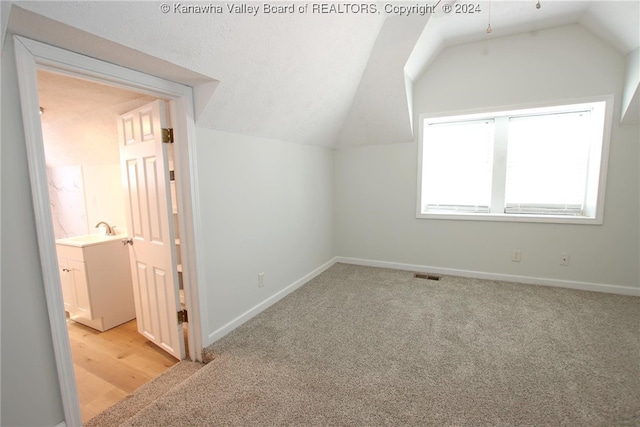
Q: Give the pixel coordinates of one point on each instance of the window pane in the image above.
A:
(547, 160)
(457, 166)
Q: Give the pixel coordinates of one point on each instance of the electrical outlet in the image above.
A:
(564, 259)
(515, 255)
(260, 280)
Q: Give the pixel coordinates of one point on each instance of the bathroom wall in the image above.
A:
(83, 159)
(82, 196)
(104, 196)
(66, 196)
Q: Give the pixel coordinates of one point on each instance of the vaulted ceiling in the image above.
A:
(331, 79)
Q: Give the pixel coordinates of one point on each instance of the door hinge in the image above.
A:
(183, 317)
(167, 135)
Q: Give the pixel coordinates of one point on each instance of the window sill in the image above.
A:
(499, 217)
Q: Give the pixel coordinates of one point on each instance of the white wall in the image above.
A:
(104, 197)
(29, 388)
(67, 201)
(266, 207)
(632, 83)
(375, 186)
(83, 195)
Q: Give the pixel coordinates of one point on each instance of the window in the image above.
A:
(459, 154)
(537, 164)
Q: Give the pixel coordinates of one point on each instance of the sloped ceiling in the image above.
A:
(617, 22)
(380, 112)
(323, 79)
(283, 77)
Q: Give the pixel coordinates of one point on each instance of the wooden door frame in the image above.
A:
(31, 56)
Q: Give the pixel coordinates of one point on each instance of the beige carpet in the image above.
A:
(366, 346)
(145, 395)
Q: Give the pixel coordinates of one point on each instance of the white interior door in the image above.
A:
(145, 178)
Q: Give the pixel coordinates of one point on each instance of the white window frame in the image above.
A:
(594, 211)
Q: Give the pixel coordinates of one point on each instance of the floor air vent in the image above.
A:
(426, 276)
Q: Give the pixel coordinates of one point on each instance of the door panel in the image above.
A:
(166, 337)
(143, 315)
(134, 220)
(146, 125)
(153, 187)
(153, 254)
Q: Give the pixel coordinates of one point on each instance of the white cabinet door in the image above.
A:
(78, 275)
(75, 287)
(68, 294)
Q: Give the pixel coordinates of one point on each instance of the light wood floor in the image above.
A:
(110, 365)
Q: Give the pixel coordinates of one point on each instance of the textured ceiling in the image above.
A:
(68, 98)
(617, 22)
(323, 79)
(79, 119)
(284, 77)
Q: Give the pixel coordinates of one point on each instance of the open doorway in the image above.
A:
(32, 56)
(110, 358)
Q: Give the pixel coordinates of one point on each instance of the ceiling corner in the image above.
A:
(202, 95)
(381, 111)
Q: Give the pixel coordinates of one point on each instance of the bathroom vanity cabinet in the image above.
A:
(96, 280)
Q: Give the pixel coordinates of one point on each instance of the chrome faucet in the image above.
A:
(110, 231)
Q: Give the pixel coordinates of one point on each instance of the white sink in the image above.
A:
(88, 240)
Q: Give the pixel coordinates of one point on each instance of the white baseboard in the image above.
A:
(224, 330)
(584, 286)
